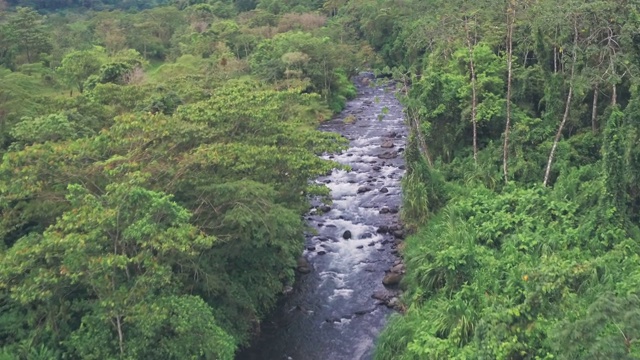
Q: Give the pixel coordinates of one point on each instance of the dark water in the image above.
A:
(330, 313)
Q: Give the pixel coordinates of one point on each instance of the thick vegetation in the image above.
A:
(156, 158)
(155, 167)
(522, 180)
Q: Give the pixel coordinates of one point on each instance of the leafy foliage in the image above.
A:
(512, 269)
(151, 183)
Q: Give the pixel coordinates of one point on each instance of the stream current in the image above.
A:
(331, 313)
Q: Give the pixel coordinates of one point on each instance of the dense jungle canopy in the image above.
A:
(156, 158)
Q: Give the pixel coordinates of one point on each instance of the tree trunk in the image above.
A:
(594, 110)
(511, 12)
(120, 336)
(566, 108)
(474, 97)
(422, 144)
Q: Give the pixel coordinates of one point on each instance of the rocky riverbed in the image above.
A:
(348, 273)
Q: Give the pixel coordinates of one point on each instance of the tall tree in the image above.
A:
(511, 18)
(567, 108)
(77, 66)
(29, 32)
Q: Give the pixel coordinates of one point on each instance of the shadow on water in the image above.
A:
(337, 310)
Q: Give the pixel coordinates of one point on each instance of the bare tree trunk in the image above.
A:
(594, 110)
(511, 12)
(474, 97)
(566, 108)
(422, 144)
(120, 336)
(614, 95)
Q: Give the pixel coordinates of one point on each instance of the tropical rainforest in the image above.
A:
(156, 158)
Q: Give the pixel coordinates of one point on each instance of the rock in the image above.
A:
(303, 265)
(365, 236)
(394, 210)
(321, 252)
(388, 155)
(398, 269)
(393, 302)
(331, 226)
(383, 229)
(376, 168)
(392, 134)
(402, 167)
(371, 243)
(363, 189)
(384, 210)
(398, 234)
(391, 279)
(383, 295)
(365, 311)
(325, 208)
(384, 190)
(328, 181)
(400, 149)
(287, 290)
(311, 248)
(360, 247)
(387, 144)
(346, 235)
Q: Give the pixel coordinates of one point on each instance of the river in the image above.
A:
(339, 304)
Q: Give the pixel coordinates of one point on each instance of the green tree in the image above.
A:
(29, 33)
(77, 66)
(116, 255)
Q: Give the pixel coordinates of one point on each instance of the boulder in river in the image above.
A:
(388, 155)
(325, 208)
(383, 229)
(382, 295)
(363, 189)
(384, 190)
(387, 144)
(303, 265)
(346, 235)
(384, 210)
(398, 269)
(393, 303)
(391, 279)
